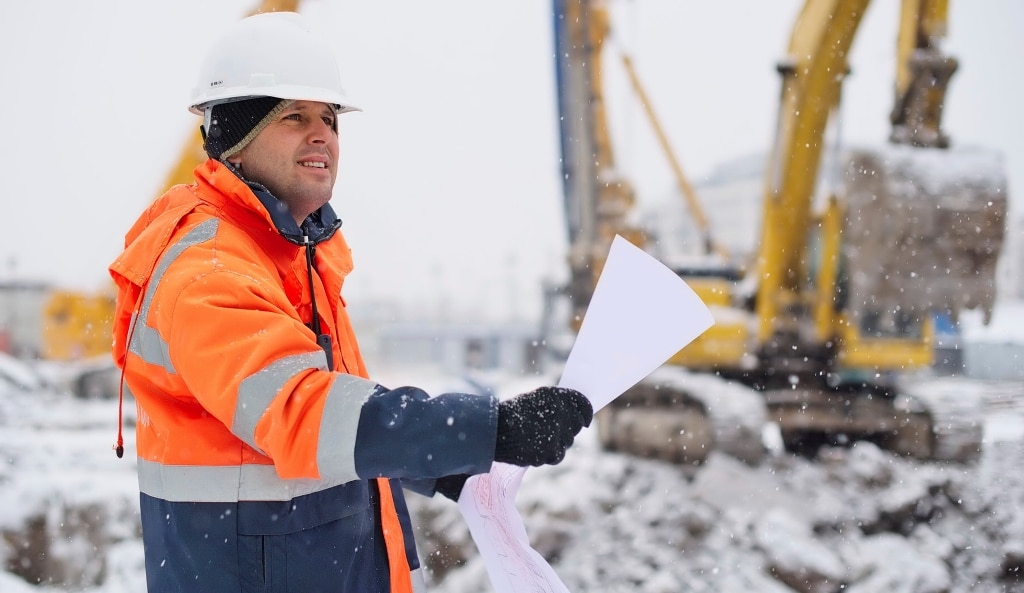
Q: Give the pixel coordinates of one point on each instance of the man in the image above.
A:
(268, 460)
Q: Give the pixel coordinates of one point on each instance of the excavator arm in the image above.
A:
(922, 74)
(812, 79)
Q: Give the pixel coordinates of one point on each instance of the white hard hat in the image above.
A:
(272, 54)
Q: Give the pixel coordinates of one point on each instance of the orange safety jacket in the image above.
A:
(260, 467)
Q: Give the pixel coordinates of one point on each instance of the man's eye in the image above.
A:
(329, 121)
(294, 116)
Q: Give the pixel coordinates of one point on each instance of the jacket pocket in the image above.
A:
(340, 555)
(278, 517)
(252, 564)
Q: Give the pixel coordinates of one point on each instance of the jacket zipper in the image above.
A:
(324, 340)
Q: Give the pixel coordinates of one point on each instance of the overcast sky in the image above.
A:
(449, 184)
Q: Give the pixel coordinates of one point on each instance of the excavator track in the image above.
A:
(925, 421)
(680, 417)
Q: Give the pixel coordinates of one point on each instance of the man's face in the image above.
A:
(295, 157)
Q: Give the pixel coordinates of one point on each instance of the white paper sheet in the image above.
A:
(641, 314)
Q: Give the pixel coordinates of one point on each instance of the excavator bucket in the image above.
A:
(923, 230)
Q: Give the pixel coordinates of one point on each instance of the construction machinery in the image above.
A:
(836, 303)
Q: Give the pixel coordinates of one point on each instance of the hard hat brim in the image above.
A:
(294, 93)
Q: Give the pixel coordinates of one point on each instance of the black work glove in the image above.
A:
(451, 486)
(536, 428)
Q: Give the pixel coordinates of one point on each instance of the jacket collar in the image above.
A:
(316, 228)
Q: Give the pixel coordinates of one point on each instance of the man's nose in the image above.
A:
(320, 131)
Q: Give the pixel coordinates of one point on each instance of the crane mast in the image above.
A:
(596, 197)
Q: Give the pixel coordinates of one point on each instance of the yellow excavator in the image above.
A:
(839, 299)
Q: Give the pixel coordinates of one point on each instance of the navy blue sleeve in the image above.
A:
(405, 433)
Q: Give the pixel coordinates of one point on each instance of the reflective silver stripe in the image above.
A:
(233, 483)
(146, 343)
(258, 390)
(335, 453)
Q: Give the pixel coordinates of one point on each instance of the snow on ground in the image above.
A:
(858, 520)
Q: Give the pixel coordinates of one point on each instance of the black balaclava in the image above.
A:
(233, 125)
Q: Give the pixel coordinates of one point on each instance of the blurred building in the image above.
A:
(455, 347)
(995, 351)
(731, 199)
(1011, 277)
(21, 317)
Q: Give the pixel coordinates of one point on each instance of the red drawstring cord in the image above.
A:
(119, 445)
